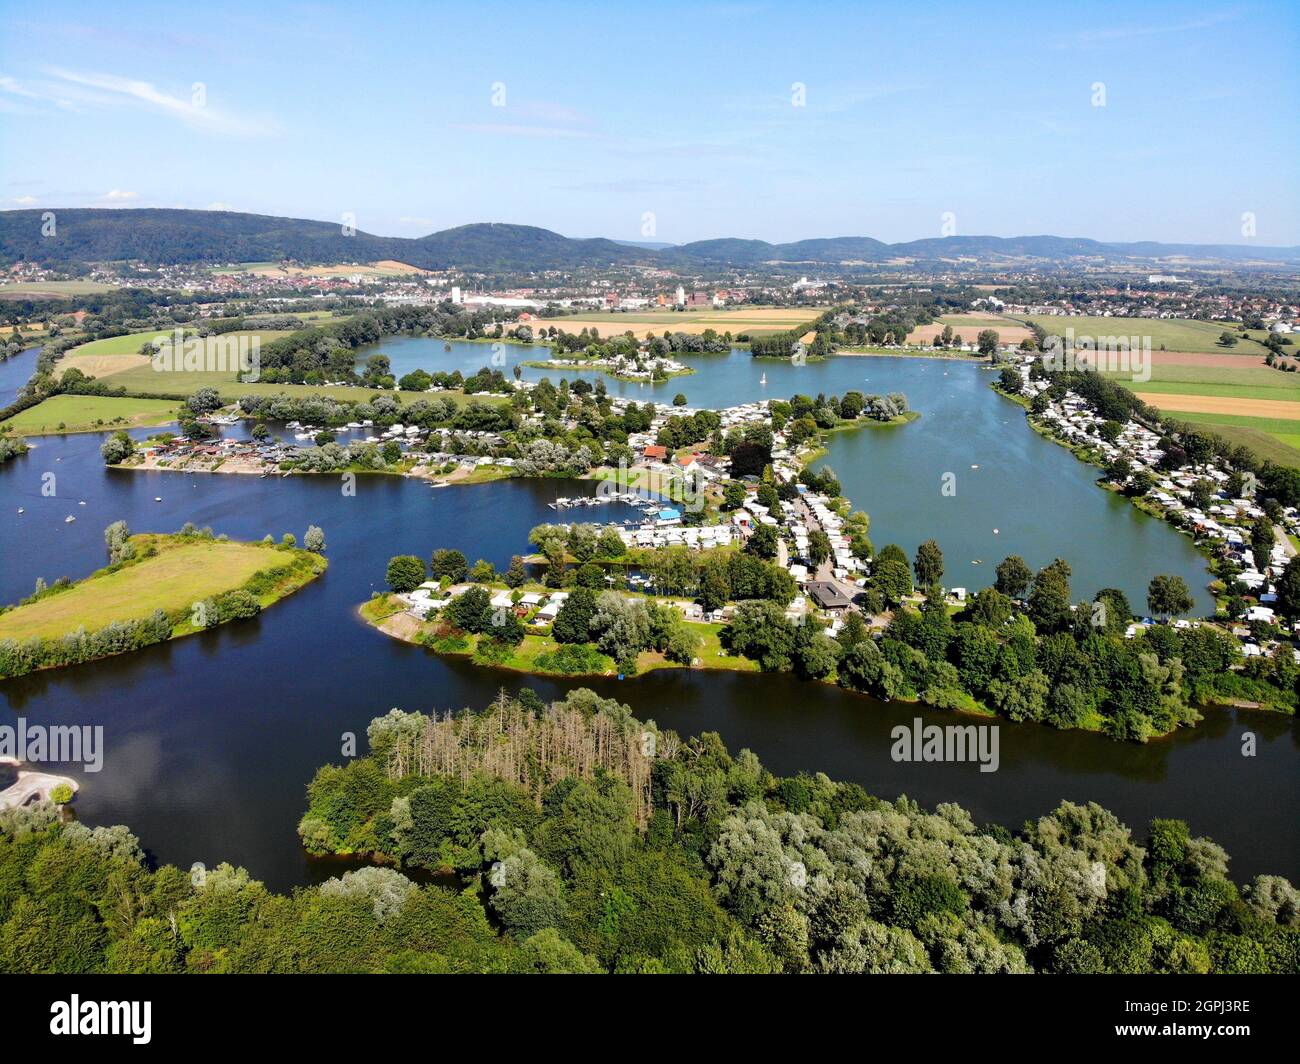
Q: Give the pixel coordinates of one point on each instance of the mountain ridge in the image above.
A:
(177, 236)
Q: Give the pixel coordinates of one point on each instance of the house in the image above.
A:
(654, 452)
(827, 595)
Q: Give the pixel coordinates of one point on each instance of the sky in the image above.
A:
(667, 122)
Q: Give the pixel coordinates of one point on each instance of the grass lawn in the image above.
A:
(89, 413)
(183, 572)
(1173, 334)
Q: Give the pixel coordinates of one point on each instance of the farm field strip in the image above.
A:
(1212, 404)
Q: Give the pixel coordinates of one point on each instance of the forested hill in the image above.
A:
(157, 235)
(179, 236)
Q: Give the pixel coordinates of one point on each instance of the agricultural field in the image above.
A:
(89, 413)
(117, 363)
(1231, 392)
(642, 323)
(52, 289)
(969, 326)
(183, 572)
(1169, 334)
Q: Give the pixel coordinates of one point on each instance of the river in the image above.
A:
(211, 740)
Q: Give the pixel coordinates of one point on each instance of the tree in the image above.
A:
(621, 626)
(610, 544)
(1288, 590)
(1227, 339)
(1013, 576)
(1168, 594)
(988, 607)
(679, 399)
(892, 579)
(470, 612)
(405, 573)
(117, 537)
(762, 542)
(515, 575)
(1049, 600)
(815, 654)
(929, 564)
(733, 495)
(987, 341)
(314, 539)
(449, 564)
(117, 448)
(819, 548)
(761, 632)
(864, 668)
(204, 401)
(572, 623)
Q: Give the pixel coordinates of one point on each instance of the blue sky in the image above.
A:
(684, 112)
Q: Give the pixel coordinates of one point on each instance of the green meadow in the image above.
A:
(89, 413)
(1169, 334)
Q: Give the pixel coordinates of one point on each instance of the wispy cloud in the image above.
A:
(78, 91)
(542, 119)
(1104, 35)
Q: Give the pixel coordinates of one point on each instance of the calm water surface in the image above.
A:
(212, 739)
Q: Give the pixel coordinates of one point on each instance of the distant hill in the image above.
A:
(180, 236)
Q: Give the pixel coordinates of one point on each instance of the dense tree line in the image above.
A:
(649, 853)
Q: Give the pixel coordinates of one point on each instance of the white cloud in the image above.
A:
(119, 195)
(78, 91)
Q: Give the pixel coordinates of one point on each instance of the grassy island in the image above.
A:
(158, 587)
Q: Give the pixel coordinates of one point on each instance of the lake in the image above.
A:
(1010, 491)
(211, 740)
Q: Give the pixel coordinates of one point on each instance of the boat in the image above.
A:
(763, 379)
(20, 509)
(69, 519)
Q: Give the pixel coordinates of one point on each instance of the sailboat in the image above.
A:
(762, 379)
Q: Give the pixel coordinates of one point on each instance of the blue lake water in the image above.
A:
(211, 740)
